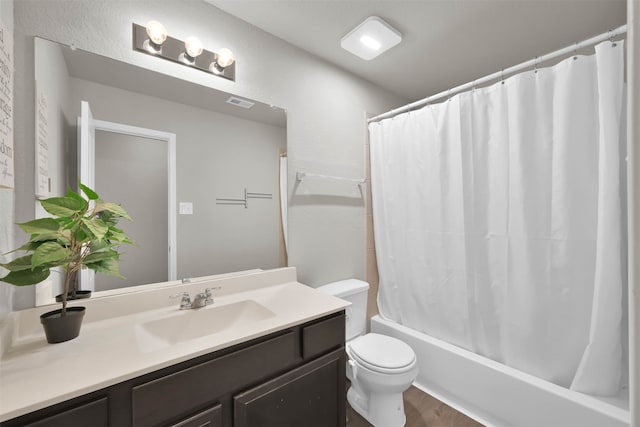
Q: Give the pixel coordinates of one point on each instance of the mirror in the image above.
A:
(228, 158)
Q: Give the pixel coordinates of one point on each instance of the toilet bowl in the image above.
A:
(379, 367)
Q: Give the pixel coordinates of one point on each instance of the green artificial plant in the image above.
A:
(81, 234)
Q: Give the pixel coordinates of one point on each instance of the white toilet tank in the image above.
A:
(355, 291)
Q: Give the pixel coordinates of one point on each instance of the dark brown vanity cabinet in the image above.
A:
(94, 413)
(304, 397)
(294, 377)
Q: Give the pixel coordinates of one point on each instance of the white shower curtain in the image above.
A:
(498, 220)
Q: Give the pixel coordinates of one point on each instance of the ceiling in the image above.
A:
(445, 42)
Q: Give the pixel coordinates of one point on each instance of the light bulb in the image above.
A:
(156, 32)
(370, 42)
(225, 57)
(193, 46)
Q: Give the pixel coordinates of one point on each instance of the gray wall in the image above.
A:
(326, 108)
(7, 196)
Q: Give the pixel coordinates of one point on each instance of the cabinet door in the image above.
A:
(95, 414)
(311, 396)
(211, 417)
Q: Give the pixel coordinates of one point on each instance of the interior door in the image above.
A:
(132, 171)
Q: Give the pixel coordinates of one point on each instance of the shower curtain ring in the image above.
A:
(613, 43)
(535, 65)
(575, 51)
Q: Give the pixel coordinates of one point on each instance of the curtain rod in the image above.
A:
(501, 74)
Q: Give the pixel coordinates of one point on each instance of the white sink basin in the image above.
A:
(196, 323)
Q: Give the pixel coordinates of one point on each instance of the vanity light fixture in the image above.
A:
(224, 58)
(153, 39)
(157, 35)
(371, 38)
(192, 49)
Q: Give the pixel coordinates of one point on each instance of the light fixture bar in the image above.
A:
(174, 49)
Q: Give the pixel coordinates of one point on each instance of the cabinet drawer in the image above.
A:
(95, 414)
(311, 396)
(323, 336)
(211, 417)
(175, 395)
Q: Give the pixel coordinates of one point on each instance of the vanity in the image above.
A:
(268, 352)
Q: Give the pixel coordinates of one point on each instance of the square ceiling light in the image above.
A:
(371, 38)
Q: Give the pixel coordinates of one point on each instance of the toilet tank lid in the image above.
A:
(344, 288)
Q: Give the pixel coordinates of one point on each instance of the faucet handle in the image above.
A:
(207, 293)
(185, 304)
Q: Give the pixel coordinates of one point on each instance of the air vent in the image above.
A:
(239, 102)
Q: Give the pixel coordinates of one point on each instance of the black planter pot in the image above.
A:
(60, 328)
(79, 295)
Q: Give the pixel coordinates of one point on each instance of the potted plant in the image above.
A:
(81, 234)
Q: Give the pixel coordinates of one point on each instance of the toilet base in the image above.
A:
(381, 410)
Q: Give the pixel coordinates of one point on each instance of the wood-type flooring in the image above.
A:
(421, 410)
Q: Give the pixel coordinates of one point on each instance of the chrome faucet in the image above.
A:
(200, 300)
(185, 302)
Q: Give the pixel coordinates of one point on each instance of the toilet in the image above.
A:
(380, 367)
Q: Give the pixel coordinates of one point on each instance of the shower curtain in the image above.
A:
(498, 220)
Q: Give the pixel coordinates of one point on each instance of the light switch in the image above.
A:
(186, 208)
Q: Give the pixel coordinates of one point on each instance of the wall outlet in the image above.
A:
(186, 208)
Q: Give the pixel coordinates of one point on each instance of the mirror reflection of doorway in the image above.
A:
(134, 167)
(132, 171)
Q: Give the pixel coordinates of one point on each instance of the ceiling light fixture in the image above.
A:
(370, 42)
(371, 38)
(153, 40)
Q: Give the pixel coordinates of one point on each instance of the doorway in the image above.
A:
(134, 167)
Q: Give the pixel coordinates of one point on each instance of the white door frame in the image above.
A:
(86, 167)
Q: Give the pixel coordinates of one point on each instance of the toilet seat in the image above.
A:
(382, 353)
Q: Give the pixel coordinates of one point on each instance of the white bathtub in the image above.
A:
(497, 395)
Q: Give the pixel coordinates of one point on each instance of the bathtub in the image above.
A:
(497, 395)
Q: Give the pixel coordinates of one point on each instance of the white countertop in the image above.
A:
(111, 349)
